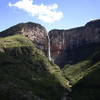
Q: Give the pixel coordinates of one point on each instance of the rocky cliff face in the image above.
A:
(68, 46)
(33, 31)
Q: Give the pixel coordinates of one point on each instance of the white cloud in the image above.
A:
(46, 13)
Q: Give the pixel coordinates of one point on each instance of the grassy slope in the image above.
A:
(84, 77)
(25, 73)
(89, 87)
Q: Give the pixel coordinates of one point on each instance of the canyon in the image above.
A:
(23, 50)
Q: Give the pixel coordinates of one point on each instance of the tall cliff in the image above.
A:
(70, 46)
(65, 46)
(33, 31)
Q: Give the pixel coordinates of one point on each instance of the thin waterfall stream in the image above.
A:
(49, 48)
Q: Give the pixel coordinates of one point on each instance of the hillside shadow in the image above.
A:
(88, 88)
(75, 55)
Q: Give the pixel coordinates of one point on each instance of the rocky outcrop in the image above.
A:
(68, 46)
(33, 31)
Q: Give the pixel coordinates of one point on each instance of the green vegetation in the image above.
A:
(26, 74)
(89, 87)
(84, 77)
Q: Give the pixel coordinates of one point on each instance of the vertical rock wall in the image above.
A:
(66, 43)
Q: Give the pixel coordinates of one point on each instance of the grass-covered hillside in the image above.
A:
(26, 74)
(85, 76)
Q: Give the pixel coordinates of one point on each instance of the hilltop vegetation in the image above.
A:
(26, 74)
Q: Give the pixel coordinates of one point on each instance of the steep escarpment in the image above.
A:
(26, 74)
(66, 44)
(35, 32)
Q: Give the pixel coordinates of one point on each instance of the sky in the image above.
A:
(52, 14)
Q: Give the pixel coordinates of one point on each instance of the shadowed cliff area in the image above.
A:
(84, 76)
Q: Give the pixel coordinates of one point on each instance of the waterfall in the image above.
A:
(63, 42)
(49, 51)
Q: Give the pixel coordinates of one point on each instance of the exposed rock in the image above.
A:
(66, 44)
(33, 31)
